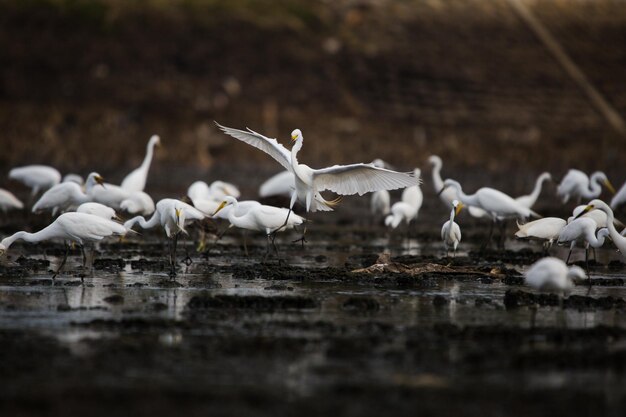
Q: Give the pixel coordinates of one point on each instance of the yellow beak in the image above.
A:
(221, 206)
(609, 186)
(459, 207)
(585, 211)
(293, 138)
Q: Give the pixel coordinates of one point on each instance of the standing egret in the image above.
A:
(530, 199)
(413, 195)
(616, 237)
(97, 209)
(380, 203)
(400, 212)
(138, 202)
(546, 229)
(79, 228)
(619, 198)
(136, 180)
(341, 179)
(66, 195)
(172, 215)
(552, 274)
(576, 185)
(262, 218)
(582, 230)
(451, 232)
(37, 177)
(8, 201)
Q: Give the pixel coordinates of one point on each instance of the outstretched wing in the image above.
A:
(267, 145)
(360, 179)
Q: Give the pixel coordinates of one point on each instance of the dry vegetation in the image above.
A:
(83, 79)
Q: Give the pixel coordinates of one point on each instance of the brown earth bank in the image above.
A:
(83, 84)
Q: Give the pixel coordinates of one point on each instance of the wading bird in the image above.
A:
(172, 215)
(546, 229)
(37, 177)
(9, 202)
(78, 228)
(341, 179)
(98, 209)
(136, 180)
(552, 274)
(618, 239)
(261, 218)
(576, 185)
(530, 199)
(448, 195)
(451, 232)
(582, 230)
(408, 208)
(138, 202)
(67, 195)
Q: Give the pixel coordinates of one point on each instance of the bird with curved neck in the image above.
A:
(530, 199)
(450, 231)
(582, 229)
(341, 179)
(449, 194)
(67, 194)
(172, 215)
(136, 180)
(616, 237)
(259, 217)
(576, 184)
(79, 228)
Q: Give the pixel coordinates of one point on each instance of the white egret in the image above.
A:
(400, 212)
(262, 218)
(530, 199)
(599, 216)
(341, 179)
(547, 229)
(8, 201)
(110, 195)
(283, 183)
(97, 209)
(172, 215)
(552, 274)
(136, 180)
(413, 195)
(66, 195)
(449, 194)
(37, 177)
(73, 178)
(380, 203)
(451, 232)
(582, 230)
(618, 239)
(79, 228)
(200, 190)
(576, 185)
(619, 198)
(138, 202)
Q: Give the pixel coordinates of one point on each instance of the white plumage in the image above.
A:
(576, 185)
(9, 202)
(380, 203)
(448, 195)
(450, 231)
(97, 209)
(617, 238)
(530, 199)
(66, 195)
(136, 180)
(138, 202)
(283, 183)
(552, 274)
(547, 229)
(37, 177)
(619, 198)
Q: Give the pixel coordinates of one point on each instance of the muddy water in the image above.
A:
(231, 335)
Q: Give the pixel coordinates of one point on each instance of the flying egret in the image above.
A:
(530, 199)
(8, 201)
(341, 179)
(552, 274)
(136, 180)
(79, 228)
(37, 177)
(576, 184)
(66, 195)
(616, 237)
(172, 215)
(546, 229)
(262, 218)
(97, 209)
(138, 202)
(619, 198)
(582, 230)
(451, 232)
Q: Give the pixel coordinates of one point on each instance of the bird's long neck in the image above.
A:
(537, 190)
(452, 212)
(294, 152)
(154, 220)
(468, 200)
(43, 234)
(437, 181)
(594, 189)
(145, 165)
(596, 239)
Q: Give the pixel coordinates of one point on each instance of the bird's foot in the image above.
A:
(302, 240)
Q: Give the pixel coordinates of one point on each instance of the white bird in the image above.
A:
(547, 229)
(97, 209)
(451, 232)
(530, 199)
(413, 195)
(408, 208)
(37, 177)
(582, 230)
(618, 239)
(380, 203)
(576, 185)
(552, 274)
(79, 228)
(66, 195)
(599, 216)
(283, 183)
(200, 190)
(110, 195)
(341, 179)
(73, 178)
(8, 201)
(138, 202)
(619, 198)
(172, 215)
(136, 180)
(494, 202)
(262, 218)
(448, 195)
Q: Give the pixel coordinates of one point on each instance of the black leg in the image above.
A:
(486, 244)
(173, 257)
(568, 255)
(67, 251)
(267, 247)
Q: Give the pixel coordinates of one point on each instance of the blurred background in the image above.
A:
(84, 83)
